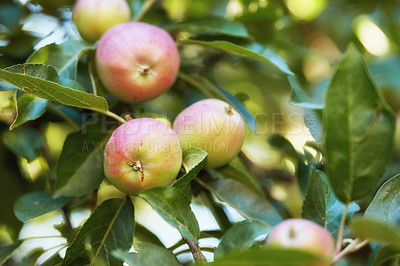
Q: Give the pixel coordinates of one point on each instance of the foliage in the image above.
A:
(316, 82)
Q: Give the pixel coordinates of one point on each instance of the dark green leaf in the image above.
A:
(80, 166)
(300, 98)
(29, 107)
(267, 256)
(231, 48)
(35, 204)
(148, 254)
(110, 227)
(24, 142)
(240, 237)
(145, 235)
(321, 205)
(6, 251)
(63, 57)
(172, 205)
(31, 258)
(386, 202)
(282, 144)
(193, 160)
(359, 130)
(385, 254)
(376, 230)
(46, 87)
(247, 202)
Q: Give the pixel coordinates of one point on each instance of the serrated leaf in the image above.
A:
(35, 204)
(386, 254)
(110, 227)
(213, 91)
(171, 204)
(6, 251)
(80, 166)
(193, 160)
(359, 129)
(148, 254)
(247, 202)
(63, 57)
(386, 203)
(24, 142)
(267, 256)
(234, 49)
(29, 107)
(47, 88)
(321, 205)
(240, 237)
(376, 230)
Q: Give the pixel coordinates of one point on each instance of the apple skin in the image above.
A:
(94, 17)
(214, 126)
(137, 61)
(303, 235)
(140, 154)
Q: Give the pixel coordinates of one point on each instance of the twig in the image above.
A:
(67, 219)
(341, 228)
(146, 6)
(353, 246)
(195, 249)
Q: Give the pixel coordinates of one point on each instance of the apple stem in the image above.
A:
(115, 116)
(146, 6)
(341, 228)
(353, 246)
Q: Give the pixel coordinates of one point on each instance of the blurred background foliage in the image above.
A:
(310, 35)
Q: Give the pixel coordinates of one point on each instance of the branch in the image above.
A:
(195, 249)
(341, 228)
(353, 246)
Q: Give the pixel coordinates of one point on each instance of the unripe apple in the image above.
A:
(137, 61)
(140, 154)
(94, 17)
(303, 235)
(214, 126)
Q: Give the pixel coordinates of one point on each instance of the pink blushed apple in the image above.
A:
(214, 126)
(140, 154)
(94, 17)
(303, 235)
(137, 61)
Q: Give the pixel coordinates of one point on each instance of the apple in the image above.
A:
(140, 154)
(214, 126)
(137, 61)
(94, 17)
(303, 235)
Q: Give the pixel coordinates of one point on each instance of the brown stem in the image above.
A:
(352, 247)
(67, 219)
(195, 249)
(94, 199)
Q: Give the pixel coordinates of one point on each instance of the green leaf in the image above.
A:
(32, 256)
(240, 237)
(234, 49)
(171, 204)
(193, 160)
(376, 230)
(301, 98)
(267, 256)
(238, 171)
(29, 107)
(24, 142)
(283, 145)
(6, 251)
(63, 57)
(47, 88)
(110, 227)
(386, 202)
(213, 91)
(80, 166)
(210, 25)
(386, 254)
(35, 204)
(142, 234)
(247, 202)
(321, 205)
(359, 129)
(148, 254)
